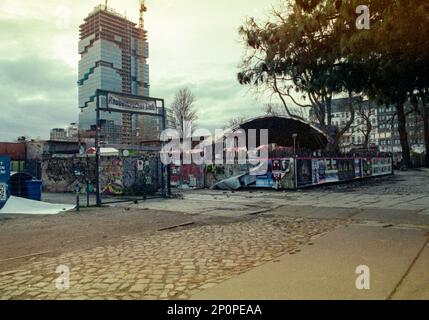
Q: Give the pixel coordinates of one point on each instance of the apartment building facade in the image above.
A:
(374, 126)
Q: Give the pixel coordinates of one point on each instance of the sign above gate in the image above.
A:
(128, 104)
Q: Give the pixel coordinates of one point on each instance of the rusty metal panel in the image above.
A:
(15, 150)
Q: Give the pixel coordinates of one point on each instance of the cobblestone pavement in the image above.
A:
(165, 265)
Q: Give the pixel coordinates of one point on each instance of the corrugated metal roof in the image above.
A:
(15, 150)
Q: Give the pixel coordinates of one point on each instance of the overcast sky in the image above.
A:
(193, 43)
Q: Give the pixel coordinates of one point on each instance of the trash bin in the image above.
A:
(34, 188)
(18, 184)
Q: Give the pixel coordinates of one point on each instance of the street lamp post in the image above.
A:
(295, 135)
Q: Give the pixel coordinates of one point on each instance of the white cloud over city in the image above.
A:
(193, 44)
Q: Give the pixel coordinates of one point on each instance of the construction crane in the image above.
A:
(143, 9)
(142, 46)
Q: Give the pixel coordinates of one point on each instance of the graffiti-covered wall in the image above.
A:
(217, 173)
(280, 174)
(286, 173)
(202, 176)
(317, 171)
(130, 175)
(62, 174)
(189, 175)
(118, 175)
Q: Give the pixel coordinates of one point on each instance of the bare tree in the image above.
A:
(274, 109)
(182, 111)
(235, 122)
(365, 115)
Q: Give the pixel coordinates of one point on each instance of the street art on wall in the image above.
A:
(346, 169)
(191, 175)
(285, 176)
(58, 174)
(265, 180)
(381, 166)
(340, 169)
(130, 175)
(141, 174)
(279, 175)
(217, 173)
(111, 182)
(281, 172)
(366, 167)
(304, 172)
(118, 175)
(358, 168)
(331, 171)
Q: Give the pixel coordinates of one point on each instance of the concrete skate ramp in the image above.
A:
(235, 183)
(16, 205)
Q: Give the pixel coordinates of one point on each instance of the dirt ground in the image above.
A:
(23, 235)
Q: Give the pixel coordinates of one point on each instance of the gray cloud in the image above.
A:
(39, 92)
(217, 101)
(37, 73)
(36, 95)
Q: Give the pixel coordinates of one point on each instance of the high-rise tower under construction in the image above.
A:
(114, 53)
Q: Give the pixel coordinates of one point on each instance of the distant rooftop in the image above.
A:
(102, 7)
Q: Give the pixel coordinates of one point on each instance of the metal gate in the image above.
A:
(136, 171)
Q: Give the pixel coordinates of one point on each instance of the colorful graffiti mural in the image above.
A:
(130, 175)
(190, 175)
(111, 182)
(340, 169)
(58, 174)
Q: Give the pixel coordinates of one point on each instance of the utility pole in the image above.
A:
(295, 135)
(97, 152)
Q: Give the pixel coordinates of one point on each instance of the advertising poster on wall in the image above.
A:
(381, 166)
(266, 180)
(276, 165)
(287, 169)
(318, 166)
(366, 167)
(322, 171)
(277, 174)
(331, 170)
(304, 172)
(285, 165)
(375, 166)
(358, 173)
(346, 170)
(315, 171)
(388, 166)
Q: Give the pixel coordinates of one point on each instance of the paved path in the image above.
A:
(407, 191)
(327, 269)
